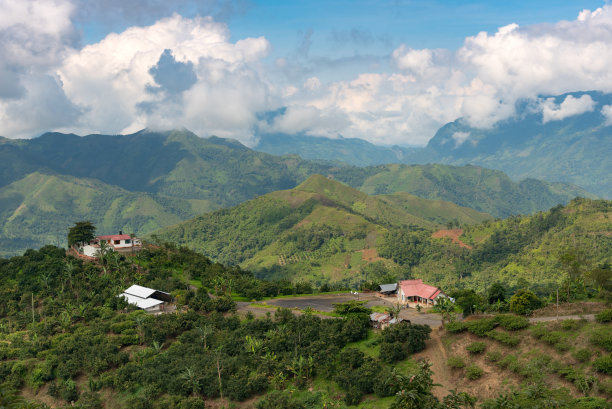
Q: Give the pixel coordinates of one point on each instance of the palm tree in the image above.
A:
(204, 332)
(191, 379)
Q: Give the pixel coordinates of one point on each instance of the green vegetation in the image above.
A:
(473, 372)
(65, 334)
(149, 180)
(476, 347)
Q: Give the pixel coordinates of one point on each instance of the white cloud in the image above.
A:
(111, 79)
(606, 111)
(569, 107)
(110, 86)
(460, 138)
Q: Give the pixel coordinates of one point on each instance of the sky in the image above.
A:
(390, 72)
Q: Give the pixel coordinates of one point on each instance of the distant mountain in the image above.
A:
(486, 190)
(321, 220)
(148, 180)
(354, 151)
(576, 149)
(572, 149)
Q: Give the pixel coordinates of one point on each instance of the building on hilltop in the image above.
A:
(145, 298)
(122, 243)
(416, 292)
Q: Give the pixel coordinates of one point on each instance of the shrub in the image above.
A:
(603, 364)
(602, 337)
(512, 322)
(523, 302)
(604, 316)
(583, 355)
(482, 326)
(509, 361)
(455, 362)
(476, 347)
(570, 325)
(493, 356)
(391, 352)
(504, 338)
(474, 372)
(455, 327)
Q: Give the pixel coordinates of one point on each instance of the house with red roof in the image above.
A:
(123, 243)
(417, 292)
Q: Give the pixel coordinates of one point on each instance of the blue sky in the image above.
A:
(391, 72)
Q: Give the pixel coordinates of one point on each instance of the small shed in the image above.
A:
(145, 298)
(387, 289)
(379, 319)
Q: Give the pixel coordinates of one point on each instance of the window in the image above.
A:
(117, 241)
(127, 241)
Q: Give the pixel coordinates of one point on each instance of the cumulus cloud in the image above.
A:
(606, 111)
(480, 82)
(180, 71)
(35, 36)
(214, 84)
(569, 107)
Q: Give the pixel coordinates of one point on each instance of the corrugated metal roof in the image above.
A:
(379, 316)
(139, 291)
(143, 303)
(384, 288)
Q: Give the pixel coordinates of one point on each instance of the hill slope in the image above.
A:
(486, 190)
(177, 174)
(317, 231)
(39, 209)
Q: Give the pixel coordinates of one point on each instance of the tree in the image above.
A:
(81, 232)
(523, 302)
(497, 292)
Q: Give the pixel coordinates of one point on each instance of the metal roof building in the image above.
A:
(145, 298)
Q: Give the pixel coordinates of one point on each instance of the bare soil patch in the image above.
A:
(453, 234)
(575, 308)
(370, 255)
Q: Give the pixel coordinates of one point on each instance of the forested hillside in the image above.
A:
(320, 231)
(140, 182)
(310, 233)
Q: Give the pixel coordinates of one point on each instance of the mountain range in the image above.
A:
(148, 180)
(557, 147)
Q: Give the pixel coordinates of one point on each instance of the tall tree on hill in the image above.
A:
(81, 232)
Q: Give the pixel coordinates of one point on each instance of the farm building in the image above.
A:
(382, 320)
(145, 298)
(387, 289)
(123, 243)
(417, 292)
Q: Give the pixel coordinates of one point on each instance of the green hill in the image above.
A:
(39, 209)
(486, 190)
(321, 230)
(522, 251)
(167, 177)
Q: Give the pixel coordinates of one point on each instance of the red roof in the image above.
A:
(412, 288)
(114, 237)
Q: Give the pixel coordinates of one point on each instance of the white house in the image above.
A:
(122, 243)
(145, 298)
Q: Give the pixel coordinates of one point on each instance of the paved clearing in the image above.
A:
(326, 303)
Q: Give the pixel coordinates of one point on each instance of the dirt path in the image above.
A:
(588, 317)
(453, 235)
(435, 353)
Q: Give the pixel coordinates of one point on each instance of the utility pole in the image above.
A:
(32, 308)
(557, 303)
